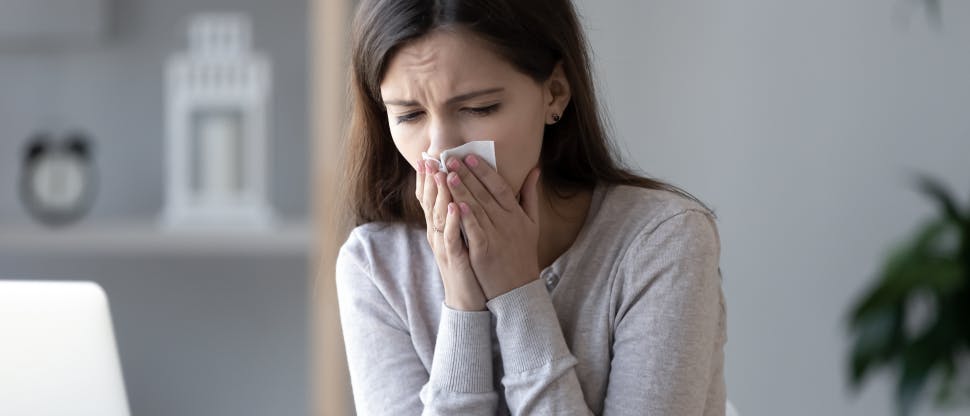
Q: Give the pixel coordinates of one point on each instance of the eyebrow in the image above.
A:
(452, 100)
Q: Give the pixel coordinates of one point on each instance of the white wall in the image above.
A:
(798, 122)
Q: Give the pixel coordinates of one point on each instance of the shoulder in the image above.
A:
(672, 245)
(671, 265)
(654, 201)
(380, 241)
(392, 256)
(654, 230)
(366, 235)
(644, 213)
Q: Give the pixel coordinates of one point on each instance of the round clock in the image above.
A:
(57, 180)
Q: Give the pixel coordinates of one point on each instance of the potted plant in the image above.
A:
(916, 317)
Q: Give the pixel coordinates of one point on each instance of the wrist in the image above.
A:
(465, 304)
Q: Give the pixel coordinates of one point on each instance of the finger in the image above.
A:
(419, 180)
(475, 193)
(427, 200)
(460, 193)
(473, 228)
(495, 184)
(452, 236)
(432, 166)
(440, 210)
(530, 195)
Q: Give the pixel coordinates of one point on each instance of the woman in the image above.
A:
(583, 289)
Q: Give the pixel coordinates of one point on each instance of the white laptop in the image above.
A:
(57, 351)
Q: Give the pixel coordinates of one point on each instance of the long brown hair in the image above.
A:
(534, 36)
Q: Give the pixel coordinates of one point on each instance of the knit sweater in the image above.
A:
(630, 320)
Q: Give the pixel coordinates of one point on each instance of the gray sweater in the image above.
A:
(630, 320)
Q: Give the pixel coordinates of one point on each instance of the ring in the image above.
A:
(437, 230)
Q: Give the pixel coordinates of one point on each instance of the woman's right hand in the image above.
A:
(442, 217)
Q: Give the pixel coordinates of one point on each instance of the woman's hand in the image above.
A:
(462, 290)
(503, 235)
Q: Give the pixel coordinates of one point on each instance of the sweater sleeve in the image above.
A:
(387, 376)
(669, 328)
(666, 333)
(539, 370)
(461, 371)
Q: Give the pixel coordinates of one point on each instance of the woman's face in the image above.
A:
(448, 88)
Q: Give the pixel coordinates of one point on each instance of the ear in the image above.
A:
(557, 93)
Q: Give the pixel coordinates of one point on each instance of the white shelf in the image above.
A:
(145, 238)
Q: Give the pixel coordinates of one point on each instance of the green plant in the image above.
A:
(916, 318)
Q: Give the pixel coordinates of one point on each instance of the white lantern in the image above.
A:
(216, 150)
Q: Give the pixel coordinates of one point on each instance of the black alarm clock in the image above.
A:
(57, 179)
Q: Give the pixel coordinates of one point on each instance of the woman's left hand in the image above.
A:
(502, 234)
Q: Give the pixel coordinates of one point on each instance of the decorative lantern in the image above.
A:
(216, 150)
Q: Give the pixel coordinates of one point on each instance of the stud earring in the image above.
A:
(555, 118)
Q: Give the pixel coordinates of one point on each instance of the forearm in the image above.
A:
(539, 370)
(461, 379)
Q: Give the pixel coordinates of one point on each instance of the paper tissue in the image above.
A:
(484, 149)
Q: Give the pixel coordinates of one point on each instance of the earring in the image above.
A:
(555, 118)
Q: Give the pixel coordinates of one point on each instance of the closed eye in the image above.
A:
(483, 111)
(406, 118)
(477, 111)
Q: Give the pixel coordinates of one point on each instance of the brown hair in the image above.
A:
(534, 36)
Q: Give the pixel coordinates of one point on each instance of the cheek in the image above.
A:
(517, 148)
(409, 144)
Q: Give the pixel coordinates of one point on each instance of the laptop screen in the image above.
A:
(57, 351)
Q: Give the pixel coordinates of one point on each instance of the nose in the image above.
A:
(443, 135)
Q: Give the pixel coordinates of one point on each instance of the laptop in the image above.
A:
(57, 351)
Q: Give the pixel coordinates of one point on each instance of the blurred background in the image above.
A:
(797, 121)
(208, 322)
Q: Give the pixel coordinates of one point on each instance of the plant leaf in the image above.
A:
(878, 336)
(917, 362)
(937, 191)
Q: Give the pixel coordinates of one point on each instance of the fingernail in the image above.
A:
(471, 160)
(453, 178)
(451, 208)
(464, 207)
(452, 163)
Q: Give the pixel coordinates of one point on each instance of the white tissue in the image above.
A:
(484, 149)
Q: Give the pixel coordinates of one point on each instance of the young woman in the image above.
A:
(583, 288)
